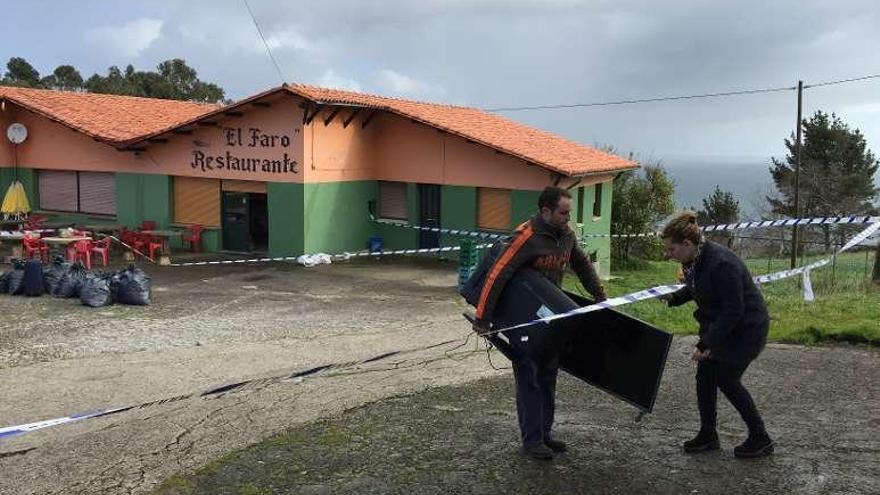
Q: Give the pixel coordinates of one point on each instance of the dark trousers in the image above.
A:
(713, 375)
(535, 396)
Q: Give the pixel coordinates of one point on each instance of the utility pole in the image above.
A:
(797, 174)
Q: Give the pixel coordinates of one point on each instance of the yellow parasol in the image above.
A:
(15, 203)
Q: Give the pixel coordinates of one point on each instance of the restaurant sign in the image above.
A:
(240, 143)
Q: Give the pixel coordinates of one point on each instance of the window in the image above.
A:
(392, 200)
(597, 201)
(579, 216)
(197, 201)
(77, 192)
(493, 208)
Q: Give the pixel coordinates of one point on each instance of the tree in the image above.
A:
(641, 200)
(65, 77)
(21, 73)
(720, 207)
(174, 80)
(836, 172)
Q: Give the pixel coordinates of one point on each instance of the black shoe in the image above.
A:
(703, 442)
(556, 446)
(759, 445)
(538, 451)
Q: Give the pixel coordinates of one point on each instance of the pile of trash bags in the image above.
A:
(67, 280)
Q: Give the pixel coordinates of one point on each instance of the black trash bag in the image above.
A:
(97, 290)
(4, 282)
(133, 286)
(52, 274)
(15, 280)
(33, 278)
(71, 281)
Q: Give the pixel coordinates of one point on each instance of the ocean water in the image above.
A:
(748, 180)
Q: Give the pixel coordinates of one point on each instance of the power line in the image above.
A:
(678, 98)
(642, 100)
(841, 81)
(269, 51)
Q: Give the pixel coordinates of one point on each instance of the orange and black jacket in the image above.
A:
(548, 249)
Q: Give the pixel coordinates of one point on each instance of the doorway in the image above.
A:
(429, 215)
(245, 222)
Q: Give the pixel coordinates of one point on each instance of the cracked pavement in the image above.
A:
(210, 326)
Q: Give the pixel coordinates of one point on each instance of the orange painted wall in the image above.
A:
(337, 153)
(397, 149)
(390, 148)
(234, 136)
(6, 158)
(54, 146)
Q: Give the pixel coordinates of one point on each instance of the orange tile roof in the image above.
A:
(127, 120)
(533, 145)
(111, 118)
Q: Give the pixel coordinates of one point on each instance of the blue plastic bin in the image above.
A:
(375, 244)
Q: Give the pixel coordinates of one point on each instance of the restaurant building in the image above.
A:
(295, 169)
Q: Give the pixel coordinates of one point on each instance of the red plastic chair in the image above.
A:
(153, 244)
(102, 247)
(32, 245)
(193, 235)
(82, 250)
(147, 225)
(132, 238)
(35, 222)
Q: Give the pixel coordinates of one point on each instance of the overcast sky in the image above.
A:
(491, 53)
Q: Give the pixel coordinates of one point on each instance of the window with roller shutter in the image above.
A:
(493, 208)
(97, 193)
(197, 201)
(58, 190)
(392, 200)
(77, 192)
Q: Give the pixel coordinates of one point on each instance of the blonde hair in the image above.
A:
(683, 227)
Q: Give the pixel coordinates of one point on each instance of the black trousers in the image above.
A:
(535, 396)
(712, 376)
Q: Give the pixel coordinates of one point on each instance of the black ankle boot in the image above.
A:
(704, 441)
(556, 446)
(538, 451)
(756, 445)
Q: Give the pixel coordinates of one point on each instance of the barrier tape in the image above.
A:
(9, 431)
(758, 224)
(130, 248)
(662, 290)
(334, 257)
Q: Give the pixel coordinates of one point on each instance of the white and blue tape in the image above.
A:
(658, 291)
(758, 224)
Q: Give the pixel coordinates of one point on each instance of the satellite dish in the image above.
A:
(17, 133)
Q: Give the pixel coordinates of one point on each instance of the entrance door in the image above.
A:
(259, 222)
(429, 215)
(236, 221)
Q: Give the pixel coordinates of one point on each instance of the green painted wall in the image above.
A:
(337, 217)
(458, 210)
(327, 217)
(523, 205)
(285, 204)
(598, 225)
(142, 197)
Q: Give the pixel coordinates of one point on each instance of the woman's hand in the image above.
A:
(699, 355)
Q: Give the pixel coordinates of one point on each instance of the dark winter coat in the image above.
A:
(547, 249)
(730, 309)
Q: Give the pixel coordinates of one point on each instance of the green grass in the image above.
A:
(846, 308)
